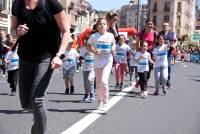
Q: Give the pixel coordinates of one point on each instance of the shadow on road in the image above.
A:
(14, 112)
(6, 94)
(195, 80)
(72, 110)
(64, 93)
(73, 101)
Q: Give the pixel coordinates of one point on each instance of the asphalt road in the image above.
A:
(176, 113)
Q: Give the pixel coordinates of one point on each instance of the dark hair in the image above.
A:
(111, 15)
(142, 42)
(149, 20)
(160, 35)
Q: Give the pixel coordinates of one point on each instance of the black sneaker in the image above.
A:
(156, 93)
(121, 86)
(67, 91)
(13, 93)
(92, 97)
(86, 97)
(71, 89)
(164, 91)
(117, 86)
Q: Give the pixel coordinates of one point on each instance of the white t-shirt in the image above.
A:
(133, 60)
(121, 53)
(160, 53)
(102, 42)
(70, 58)
(143, 64)
(13, 59)
(89, 59)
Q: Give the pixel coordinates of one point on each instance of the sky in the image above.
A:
(107, 5)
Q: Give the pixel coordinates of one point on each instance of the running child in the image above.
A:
(122, 52)
(102, 44)
(69, 67)
(143, 58)
(12, 61)
(87, 60)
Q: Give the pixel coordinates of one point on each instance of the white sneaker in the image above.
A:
(100, 105)
(145, 93)
(105, 106)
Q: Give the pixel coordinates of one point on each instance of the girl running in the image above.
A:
(133, 63)
(143, 57)
(102, 44)
(161, 65)
(12, 61)
(122, 51)
(69, 67)
(87, 60)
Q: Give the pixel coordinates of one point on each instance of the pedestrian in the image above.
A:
(161, 64)
(170, 39)
(12, 61)
(38, 24)
(143, 58)
(149, 35)
(69, 67)
(4, 48)
(102, 44)
(121, 56)
(111, 18)
(133, 63)
(87, 60)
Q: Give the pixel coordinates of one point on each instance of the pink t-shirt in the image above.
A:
(149, 38)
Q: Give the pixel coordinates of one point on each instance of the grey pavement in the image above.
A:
(176, 113)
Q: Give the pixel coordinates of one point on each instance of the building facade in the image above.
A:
(198, 19)
(180, 14)
(79, 13)
(5, 15)
(131, 16)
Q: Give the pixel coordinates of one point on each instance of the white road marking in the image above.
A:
(82, 124)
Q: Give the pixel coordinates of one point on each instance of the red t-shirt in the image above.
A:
(148, 37)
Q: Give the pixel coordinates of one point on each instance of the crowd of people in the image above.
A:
(39, 49)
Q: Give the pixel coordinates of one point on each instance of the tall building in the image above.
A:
(131, 16)
(179, 13)
(80, 14)
(5, 13)
(198, 19)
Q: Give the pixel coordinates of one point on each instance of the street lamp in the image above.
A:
(132, 2)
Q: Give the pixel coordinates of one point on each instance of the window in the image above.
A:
(166, 18)
(179, 6)
(2, 4)
(179, 20)
(167, 7)
(155, 7)
(154, 20)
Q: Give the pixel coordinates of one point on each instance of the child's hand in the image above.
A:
(97, 52)
(142, 57)
(83, 61)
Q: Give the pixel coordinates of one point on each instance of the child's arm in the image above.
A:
(113, 50)
(6, 59)
(150, 60)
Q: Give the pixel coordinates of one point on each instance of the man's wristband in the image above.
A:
(62, 56)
